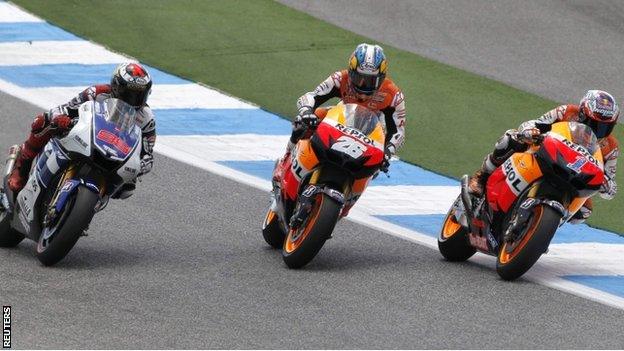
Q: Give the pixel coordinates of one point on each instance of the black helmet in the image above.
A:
(131, 83)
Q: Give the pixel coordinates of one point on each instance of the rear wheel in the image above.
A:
(516, 258)
(9, 237)
(303, 244)
(453, 240)
(59, 238)
(271, 230)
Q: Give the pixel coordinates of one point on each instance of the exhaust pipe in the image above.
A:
(10, 162)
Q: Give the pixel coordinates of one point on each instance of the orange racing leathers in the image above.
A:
(507, 145)
(388, 99)
(608, 145)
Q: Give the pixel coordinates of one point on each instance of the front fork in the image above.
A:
(306, 199)
(67, 186)
(525, 211)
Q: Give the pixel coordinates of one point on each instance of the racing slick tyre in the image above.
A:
(303, 244)
(517, 257)
(9, 237)
(453, 240)
(271, 231)
(60, 236)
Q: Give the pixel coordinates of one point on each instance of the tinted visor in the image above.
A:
(365, 83)
(134, 97)
(601, 129)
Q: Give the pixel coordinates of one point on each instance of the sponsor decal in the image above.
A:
(492, 241)
(581, 150)
(479, 242)
(80, 141)
(354, 132)
(130, 169)
(66, 187)
(528, 203)
(296, 168)
(513, 178)
(110, 138)
(578, 164)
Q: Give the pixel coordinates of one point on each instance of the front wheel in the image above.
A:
(59, 238)
(9, 237)
(303, 244)
(453, 240)
(516, 258)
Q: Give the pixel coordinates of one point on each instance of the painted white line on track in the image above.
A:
(164, 96)
(56, 52)
(407, 199)
(12, 13)
(231, 147)
(193, 95)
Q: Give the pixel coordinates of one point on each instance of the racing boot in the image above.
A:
(476, 185)
(19, 174)
(40, 133)
(477, 182)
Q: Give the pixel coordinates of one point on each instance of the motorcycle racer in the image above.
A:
(597, 109)
(363, 83)
(131, 83)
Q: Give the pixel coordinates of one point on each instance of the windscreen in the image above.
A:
(122, 115)
(584, 136)
(362, 119)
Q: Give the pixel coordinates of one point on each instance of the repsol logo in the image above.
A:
(354, 132)
(581, 150)
(514, 180)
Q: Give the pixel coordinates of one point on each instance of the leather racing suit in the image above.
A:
(41, 132)
(388, 99)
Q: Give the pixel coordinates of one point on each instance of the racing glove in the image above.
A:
(61, 122)
(389, 151)
(608, 189)
(146, 164)
(528, 136)
(306, 120)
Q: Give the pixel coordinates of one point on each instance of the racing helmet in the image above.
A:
(367, 68)
(131, 83)
(599, 111)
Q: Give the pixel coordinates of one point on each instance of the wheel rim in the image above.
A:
(451, 227)
(48, 233)
(269, 218)
(509, 251)
(296, 237)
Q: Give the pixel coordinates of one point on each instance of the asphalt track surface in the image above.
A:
(182, 264)
(557, 49)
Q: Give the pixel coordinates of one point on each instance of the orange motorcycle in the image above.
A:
(321, 180)
(526, 200)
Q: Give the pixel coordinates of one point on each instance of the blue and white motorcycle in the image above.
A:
(72, 179)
